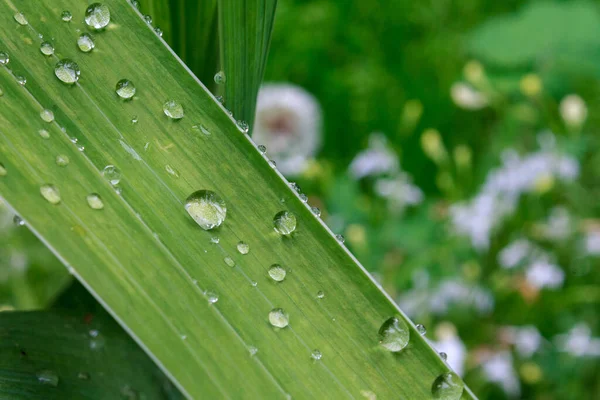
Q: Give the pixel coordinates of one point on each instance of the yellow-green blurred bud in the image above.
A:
(544, 184)
(462, 156)
(531, 373)
(531, 85)
(432, 145)
(474, 71)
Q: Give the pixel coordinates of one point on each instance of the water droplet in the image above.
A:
(66, 16)
(67, 71)
(135, 3)
(284, 222)
(173, 109)
(253, 350)
(214, 239)
(254, 283)
(340, 238)
(421, 329)
(97, 16)
(277, 273)
(85, 42)
(134, 120)
(212, 297)
(262, 148)
(394, 334)
(158, 31)
(220, 99)
(447, 386)
(84, 376)
(171, 171)
(3, 170)
(303, 197)
(148, 19)
(278, 318)
(316, 355)
(18, 221)
(295, 187)
(4, 58)
(94, 201)
(243, 248)
(242, 126)
(320, 294)
(315, 211)
(47, 115)
(273, 164)
(47, 377)
(97, 341)
(202, 129)
(229, 261)
(125, 89)
(183, 337)
(21, 80)
(206, 208)
(62, 160)
(112, 174)
(47, 48)
(444, 356)
(220, 78)
(50, 193)
(44, 134)
(20, 18)
(80, 147)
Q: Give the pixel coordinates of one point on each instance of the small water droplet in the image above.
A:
(295, 187)
(206, 208)
(394, 334)
(171, 171)
(183, 337)
(3, 170)
(4, 58)
(214, 239)
(84, 376)
(135, 3)
(148, 19)
(254, 283)
(242, 126)
(284, 222)
(315, 211)
(320, 294)
(47, 48)
(125, 89)
(18, 221)
(444, 356)
(158, 31)
(421, 329)
(229, 261)
(202, 129)
(62, 160)
(50, 193)
(173, 109)
(134, 120)
(220, 99)
(97, 340)
(112, 174)
(67, 71)
(21, 80)
(95, 201)
(47, 115)
(340, 238)
(447, 386)
(303, 197)
(220, 78)
(85, 42)
(47, 377)
(20, 18)
(66, 16)
(253, 350)
(273, 164)
(262, 148)
(44, 134)
(277, 272)
(278, 318)
(97, 16)
(316, 355)
(243, 248)
(212, 297)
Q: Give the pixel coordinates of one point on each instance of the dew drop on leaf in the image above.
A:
(207, 208)
(447, 386)
(20, 18)
(3, 170)
(303, 197)
(97, 16)
(212, 297)
(173, 109)
(47, 115)
(320, 294)
(278, 318)
(220, 78)
(21, 80)
(66, 16)
(158, 31)
(85, 42)
(242, 126)
(112, 174)
(444, 356)
(4, 58)
(67, 71)
(214, 239)
(243, 248)
(229, 261)
(125, 89)
(421, 329)
(62, 160)
(284, 222)
(50, 193)
(315, 211)
(18, 221)
(394, 334)
(262, 148)
(148, 19)
(47, 377)
(47, 48)
(277, 272)
(253, 350)
(272, 163)
(316, 355)
(95, 201)
(340, 238)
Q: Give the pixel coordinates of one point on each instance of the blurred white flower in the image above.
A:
(377, 159)
(541, 273)
(499, 370)
(449, 342)
(288, 123)
(573, 110)
(467, 97)
(592, 243)
(399, 191)
(558, 226)
(579, 342)
(527, 339)
(515, 253)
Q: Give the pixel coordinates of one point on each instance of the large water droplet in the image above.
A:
(97, 16)
(277, 272)
(212, 297)
(229, 261)
(47, 48)
(206, 208)
(447, 386)
(62, 160)
(220, 78)
(284, 222)
(47, 115)
(95, 201)
(47, 377)
(85, 42)
(394, 334)
(421, 329)
(3, 170)
(243, 248)
(316, 355)
(67, 71)
(173, 109)
(278, 318)
(4, 58)
(50, 193)
(66, 16)
(20, 18)
(112, 174)
(125, 89)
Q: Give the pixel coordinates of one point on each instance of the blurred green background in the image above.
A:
(459, 157)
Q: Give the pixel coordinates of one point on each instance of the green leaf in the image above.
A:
(245, 30)
(81, 354)
(142, 256)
